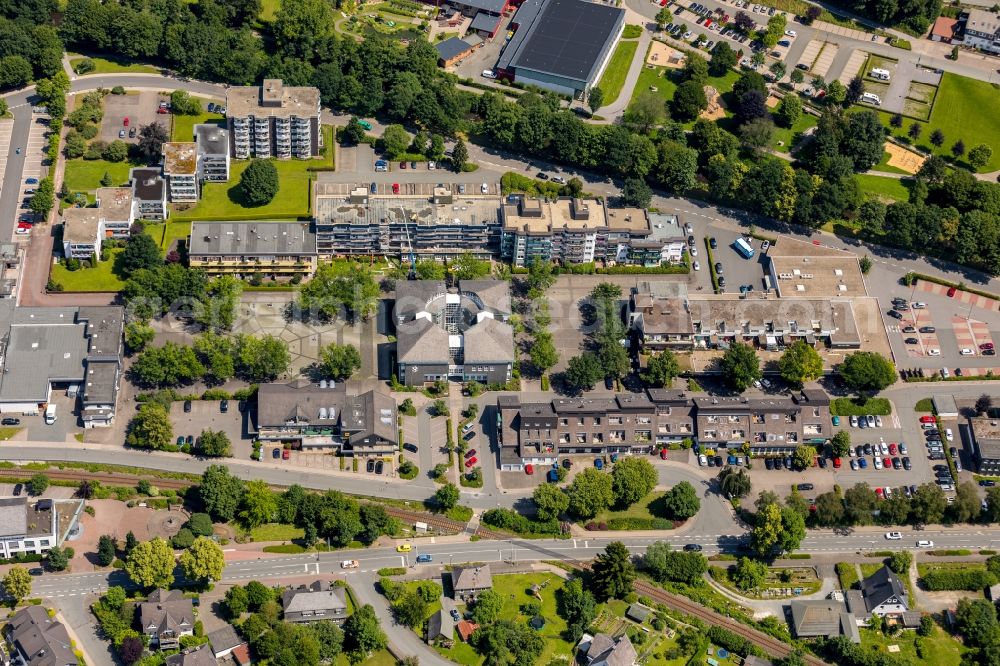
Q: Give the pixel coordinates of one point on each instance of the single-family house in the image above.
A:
(469, 582)
(165, 617)
(606, 650)
(441, 629)
(39, 640)
(196, 656)
(317, 601)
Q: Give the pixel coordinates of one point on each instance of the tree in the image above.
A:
(859, 503)
(645, 112)
(829, 509)
(215, 444)
(900, 562)
(446, 496)
(789, 110)
(595, 99)
(976, 619)
(340, 361)
(362, 633)
(752, 105)
(928, 504)
(590, 493)
(740, 366)
(200, 524)
(577, 606)
(681, 501)
(509, 643)
(583, 371)
(767, 530)
(758, 133)
(723, 59)
(261, 359)
(131, 649)
(58, 558)
(836, 93)
(105, 550)
(984, 403)
(410, 609)
(203, 561)
(668, 565)
(734, 482)
(151, 140)
(632, 479)
(841, 443)
(3, 107)
(797, 76)
(17, 583)
(677, 167)
(800, 363)
(487, 608)
(330, 638)
(636, 193)
(150, 428)
(151, 564)
(855, 89)
(130, 542)
(259, 183)
(958, 148)
(395, 140)
(695, 69)
(748, 573)
(182, 104)
(141, 251)
(867, 371)
(689, 100)
(980, 155)
(38, 484)
(550, 501)
(138, 335)
(543, 352)
(613, 572)
(44, 197)
(459, 155)
(967, 504)
(467, 267)
(220, 492)
(864, 140)
(937, 138)
(259, 504)
(793, 529)
(661, 369)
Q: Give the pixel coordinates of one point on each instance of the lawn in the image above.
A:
(848, 406)
(8, 432)
(222, 201)
(650, 506)
(614, 76)
(100, 278)
(268, 8)
(883, 165)
(167, 232)
(183, 126)
(85, 175)
(632, 31)
(106, 66)
(881, 186)
(380, 658)
(939, 648)
(787, 135)
(276, 532)
(662, 79)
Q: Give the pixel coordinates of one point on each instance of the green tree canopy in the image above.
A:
(583, 371)
(613, 572)
(447, 496)
(488, 606)
(17, 583)
(151, 564)
(632, 479)
(748, 573)
(150, 428)
(682, 501)
(362, 633)
(867, 371)
(661, 369)
(221, 493)
(203, 561)
(340, 361)
(668, 565)
(215, 443)
(259, 505)
(550, 501)
(800, 363)
(259, 183)
(590, 493)
(141, 251)
(740, 366)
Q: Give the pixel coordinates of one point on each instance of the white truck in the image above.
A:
(50, 414)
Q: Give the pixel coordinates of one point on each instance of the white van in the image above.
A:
(880, 74)
(50, 414)
(871, 98)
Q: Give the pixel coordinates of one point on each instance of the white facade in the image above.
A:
(982, 31)
(183, 188)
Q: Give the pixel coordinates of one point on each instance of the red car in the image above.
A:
(663, 454)
(880, 493)
(162, 109)
(836, 463)
(395, 188)
(887, 463)
(927, 419)
(986, 345)
(470, 462)
(529, 469)
(402, 165)
(892, 449)
(951, 291)
(286, 454)
(126, 121)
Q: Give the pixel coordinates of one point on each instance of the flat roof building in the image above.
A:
(985, 433)
(180, 166)
(212, 143)
(150, 193)
(797, 269)
(274, 120)
(85, 229)
(275, 248)
(561, 45)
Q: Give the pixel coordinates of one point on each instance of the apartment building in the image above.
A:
(212, 143)
(180, 168)
(149, 191)
(982, 30)
(574, 230)
(985, 433)
(243, 248)
(538, 433)
(86, 229)
(273, 120)
(27, 527)
(438, 223)
(463, 333)
(659, 314)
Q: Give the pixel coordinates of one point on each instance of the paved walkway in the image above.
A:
(611, 112)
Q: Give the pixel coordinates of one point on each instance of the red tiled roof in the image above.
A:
(466, 629)
(242, 654)
(944, 27)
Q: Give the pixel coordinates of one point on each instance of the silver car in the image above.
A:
(870, 421)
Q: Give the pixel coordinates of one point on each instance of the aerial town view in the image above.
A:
(499, 333)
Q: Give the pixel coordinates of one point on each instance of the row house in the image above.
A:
(769, 425)
(244, 248)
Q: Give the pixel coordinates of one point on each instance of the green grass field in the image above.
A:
(276, 532)
(100, 278)
(662, 79)
(106, 66)
(787, 135)
(649, 506)
(939, 648)
(614, 76)
(632, 31)
(881, 186)
(167, 232)
(85, 175)
(183, 126)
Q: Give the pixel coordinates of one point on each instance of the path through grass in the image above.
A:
(613, 80)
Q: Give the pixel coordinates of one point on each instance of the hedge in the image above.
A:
(736, 644)
(910, 277)
(391, 571)
(848, 407)
(640, 524)
(512, 521)
(937, 580)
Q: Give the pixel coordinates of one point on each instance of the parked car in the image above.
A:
(370, 466)
(286, 454)
(224, 406)
(423, 558)
(11, 421)
(379, 466)
(471, 461)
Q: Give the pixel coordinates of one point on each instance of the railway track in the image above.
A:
(105, 478)
(440, 522)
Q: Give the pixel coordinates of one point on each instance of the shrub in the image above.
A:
(639, 524)
(512, 521)
(391, 571)
(971, 580)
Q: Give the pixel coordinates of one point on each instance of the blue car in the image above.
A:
(598, 463)
(424, 557)
(862, 463)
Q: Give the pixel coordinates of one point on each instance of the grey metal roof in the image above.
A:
(104, 328)
(252, 238)
(495, 6)
(224, 639)
(493, 294)
(40, 638)
(451, 47)
(422, 341)
(567, 37)
(485, 21)
(818, 617)
(489, 341)
(196, 656)
(211, 139)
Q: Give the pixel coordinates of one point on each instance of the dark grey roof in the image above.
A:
(211, 139)
(412, 296)
(567, 37)
(318, 601)
(485, 21)
(104, 328)
(674, 396)
(523, 20)
(196, 656)
(101, 383)
(736, 405)
(815, 396)
(489, 341)
(607, 651)
(166, 610)
(421, 341)
(638, 612)
(471, 578)
(252, 238)
(495, 6)
(882, 586)
(440, 625)
(451, 47)
(40, 638)
(370, 414)
(494, 295)
(224, 639)
(13, 516)
(363, 415)
(819, 617)
(147, 184)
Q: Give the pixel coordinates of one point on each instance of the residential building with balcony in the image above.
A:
(659, 314)
(274, 120)
(27, 526)
(243, 248)
(85, 229)
(150, 193)
(212, 144)
(180, 168)
(437, 223)
(770, 425)
(165, 617)
(328, 415)
(985, 433)
(459, 334)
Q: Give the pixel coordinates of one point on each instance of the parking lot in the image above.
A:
(34, 170)
(138, 107)
(735, 269)
(207, 415)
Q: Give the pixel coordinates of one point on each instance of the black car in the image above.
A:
(712, 243)
(907, 465)
(944, 474)
(928, 329)
(37, 571)
(370, 466)
(897, 463)
(718, 267)
(899, 301)
(944, 482)
(821, 461)
(768, 463)
(722, 281)
(805, 486)
(412, 448)
(911, 341)
(609, 383)
(902, 307)
(224, 406)
(859, 450)
(211, 107)
(895, 315)
(190, 440)
(711, 461)
(868, 449)
(953, 451)
(567, 463)
(379, 466)
(693, 548)
(11, 421)
(788, 462)
(987, 483)
(18, 487)
(718, 461)
(542, 176)
(940, 468)
(187, 405)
